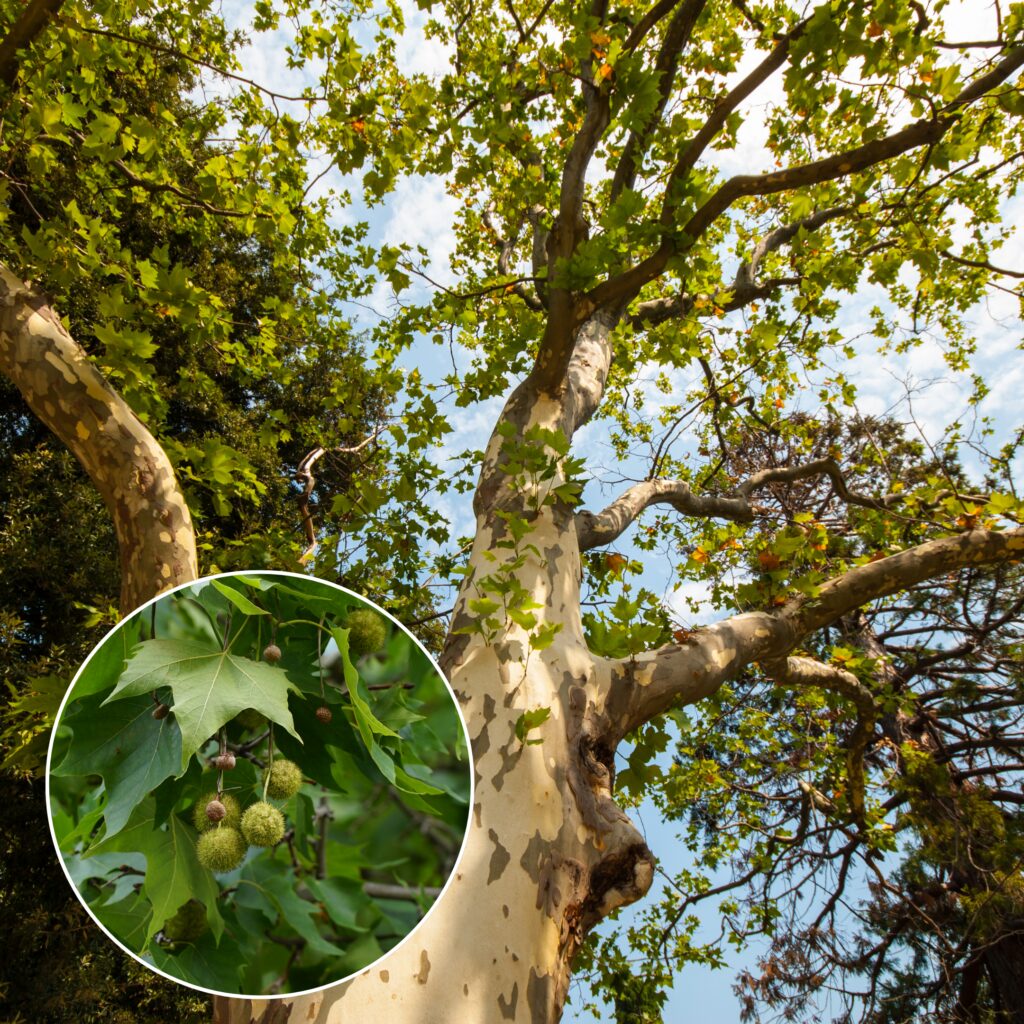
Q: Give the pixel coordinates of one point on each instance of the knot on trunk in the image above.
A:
(624, 869)
(622, 876)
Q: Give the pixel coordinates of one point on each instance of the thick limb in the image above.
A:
(123, 459)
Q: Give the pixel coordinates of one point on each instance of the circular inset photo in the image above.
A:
(259, 784)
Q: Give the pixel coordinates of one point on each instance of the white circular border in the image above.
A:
(469, 760)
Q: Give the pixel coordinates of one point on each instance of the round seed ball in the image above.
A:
(224, 762)
(285, 779)
(161, 711)
(232, 811)
(324, 713)
(262, 824)
(221, 849)
(367, 632)
(272, 653)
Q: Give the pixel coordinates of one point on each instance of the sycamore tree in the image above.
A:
(609, 247)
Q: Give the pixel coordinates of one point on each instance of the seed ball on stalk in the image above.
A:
(367, 631)
(272, 653)
(285, 779)
(232, 811)
(224, 762)
(221, 849)
(188, 923)
(262, 824)
(324, 713)
(161, 711)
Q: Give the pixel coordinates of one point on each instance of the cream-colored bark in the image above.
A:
(548, 854)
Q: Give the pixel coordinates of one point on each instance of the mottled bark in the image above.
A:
(123, 459)
(31, 20)
(549, 854)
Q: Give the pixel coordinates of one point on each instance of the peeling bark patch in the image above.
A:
(385, 976)
(499, 858)
(540, 996)
(508, 762)
(508, 1007)
(548, 868)
(424, 971)
(533, 856)
(482, 742)
(504, 909)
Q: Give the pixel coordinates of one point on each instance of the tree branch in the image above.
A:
(626, 285)
(666, 66)
(568, 230)
(595, 531)
(604, 527)
(651, 683)
(745, 287)
(123, 459)
(34, 17)
(381, 890)
(800, 672)
(304, 475)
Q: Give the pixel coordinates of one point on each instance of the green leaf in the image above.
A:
(240, 601)
(531, 720)
(173, 874)
(126, 745)
(128, 919)
(210, 687)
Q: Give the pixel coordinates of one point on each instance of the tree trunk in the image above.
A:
(548, 853)
(124, 460)
(1004, 961)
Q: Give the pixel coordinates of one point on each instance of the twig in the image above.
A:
(304, 476)
(381, 890)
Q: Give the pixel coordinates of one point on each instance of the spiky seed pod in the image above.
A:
(272, 653)
(324, 713)
(215, 811)
(224, 762)
(221, 849)
(367, 631)
(232, 811)
(188, 923)
(262, 824)
(285, 779)
(161, 711)
(250, 719)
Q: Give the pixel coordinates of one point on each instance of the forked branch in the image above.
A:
(625, 286)
(594, 530)
(651, 683)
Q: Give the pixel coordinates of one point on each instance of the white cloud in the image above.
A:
(690, 602)
(416, 54)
